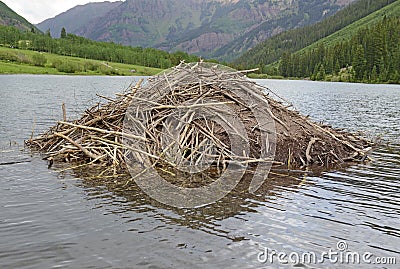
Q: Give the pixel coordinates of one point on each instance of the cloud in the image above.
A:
(36, 11)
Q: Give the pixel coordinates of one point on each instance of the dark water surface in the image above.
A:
(51, 219)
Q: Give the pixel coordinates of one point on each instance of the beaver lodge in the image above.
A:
(197, 118)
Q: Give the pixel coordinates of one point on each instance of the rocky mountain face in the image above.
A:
(76, 17)
(210, 28)
(9, 18)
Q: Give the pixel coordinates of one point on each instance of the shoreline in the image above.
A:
(19, 62)
(152, 73)
(265, 76)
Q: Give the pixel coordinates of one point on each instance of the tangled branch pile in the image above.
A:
(194, 116)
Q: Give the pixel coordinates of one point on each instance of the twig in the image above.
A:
(104, 131)
(88, 153)
(64, 110)
(308, 156)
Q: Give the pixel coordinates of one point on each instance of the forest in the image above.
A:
(72, 45)
(372, 55)
(272, 49)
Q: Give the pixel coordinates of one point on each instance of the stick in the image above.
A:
(308, 156)
(64, 112)
(104, 131)
(88, 153)
(191, 106)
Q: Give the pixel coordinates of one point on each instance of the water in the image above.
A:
(51, 219)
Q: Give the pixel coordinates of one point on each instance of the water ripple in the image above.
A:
(52, 219)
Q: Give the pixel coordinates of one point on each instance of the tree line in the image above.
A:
(272, 49)
(371, 55)
(72, 45)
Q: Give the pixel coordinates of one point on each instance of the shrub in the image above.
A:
(66, 66)
(39, 59)
(91, 66)
(8, 56)
(108, 70)
(22, 58)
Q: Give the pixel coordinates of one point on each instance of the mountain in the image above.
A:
(76, 17)
(389, 10)
(299, 14)
(272, 49)
(366, 50)
(209, 28)
(9, 18)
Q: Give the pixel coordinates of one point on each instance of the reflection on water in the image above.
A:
(53, 219)
(238, 202)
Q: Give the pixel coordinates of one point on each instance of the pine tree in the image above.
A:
(63, 33)
(321, 73)
(285, 64)
(359, 62)
(337, 67)
(374, 75)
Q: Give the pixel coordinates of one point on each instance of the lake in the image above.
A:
(53, 219)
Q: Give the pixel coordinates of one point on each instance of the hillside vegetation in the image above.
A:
(72, 45)
(365, 51)
(17, 61)
(271, 50)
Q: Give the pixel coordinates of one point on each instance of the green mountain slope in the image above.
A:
(272, 49)
(9, 18)
(392, 10)
(209, 28)
(368, 50)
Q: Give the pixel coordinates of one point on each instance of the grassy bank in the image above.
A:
(17, 61)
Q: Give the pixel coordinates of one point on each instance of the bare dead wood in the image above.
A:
(85, 151)
(310, 144)
(196, 138)
(64, 111)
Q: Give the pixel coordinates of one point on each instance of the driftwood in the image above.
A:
(196, 116)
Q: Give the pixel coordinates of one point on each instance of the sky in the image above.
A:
(36, 11)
